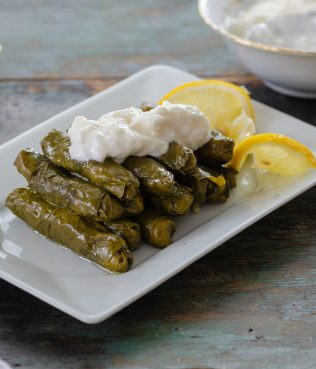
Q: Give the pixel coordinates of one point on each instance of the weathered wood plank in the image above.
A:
(107, 38)
(23, 104)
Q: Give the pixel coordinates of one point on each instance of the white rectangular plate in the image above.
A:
(83, 290)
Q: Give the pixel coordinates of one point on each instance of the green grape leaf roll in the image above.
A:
(199, 180)
(133, 206)
(218, 190)
(27, 163)
(62, 189)
(228, 173)
(178, 158)
(128, 230)
(109, 174)
(157, 229)
(153, 177)
(218, 150)
(70, 230)
(176, 205)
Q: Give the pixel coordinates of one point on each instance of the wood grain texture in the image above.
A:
(26, 103)
(107, 38)
(249, 304)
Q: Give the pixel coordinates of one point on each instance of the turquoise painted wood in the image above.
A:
(107, 38)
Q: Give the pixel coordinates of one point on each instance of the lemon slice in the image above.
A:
(227, 106)
(274, 153)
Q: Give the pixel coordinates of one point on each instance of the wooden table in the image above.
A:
(249, 304)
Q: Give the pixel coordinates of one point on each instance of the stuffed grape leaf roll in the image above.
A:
(207, 185)
(178, 158)
(133, 206)
(128, 230)
(218, 150)
(219, 189)
(200, 182)
(109, 174)
(174, 205)
(153, 177)
(62, 189)
(157, 229)
(86, 238)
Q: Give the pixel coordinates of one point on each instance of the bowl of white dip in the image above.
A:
(275, 39)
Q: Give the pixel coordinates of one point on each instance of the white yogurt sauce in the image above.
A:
(284, 23)
(131, 131)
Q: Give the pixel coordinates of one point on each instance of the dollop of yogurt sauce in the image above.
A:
(131, 131)
(283, 23)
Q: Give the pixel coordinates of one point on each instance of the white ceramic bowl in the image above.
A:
(292, 72)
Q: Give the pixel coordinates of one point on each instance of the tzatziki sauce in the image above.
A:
(131, 131)
(283, 23)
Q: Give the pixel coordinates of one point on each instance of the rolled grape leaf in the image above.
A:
(71, 230)
(176, 205)
(157, 229)
(200, 182)
(62, 189)
(218, 150)
(178, 158)
(218, 190)
(228, 173)
(153, 177)
(27, 162)
(110, 175)
(133, 206)
(128, 230)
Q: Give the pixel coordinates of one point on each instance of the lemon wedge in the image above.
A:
(227, 106)
(274, 153)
